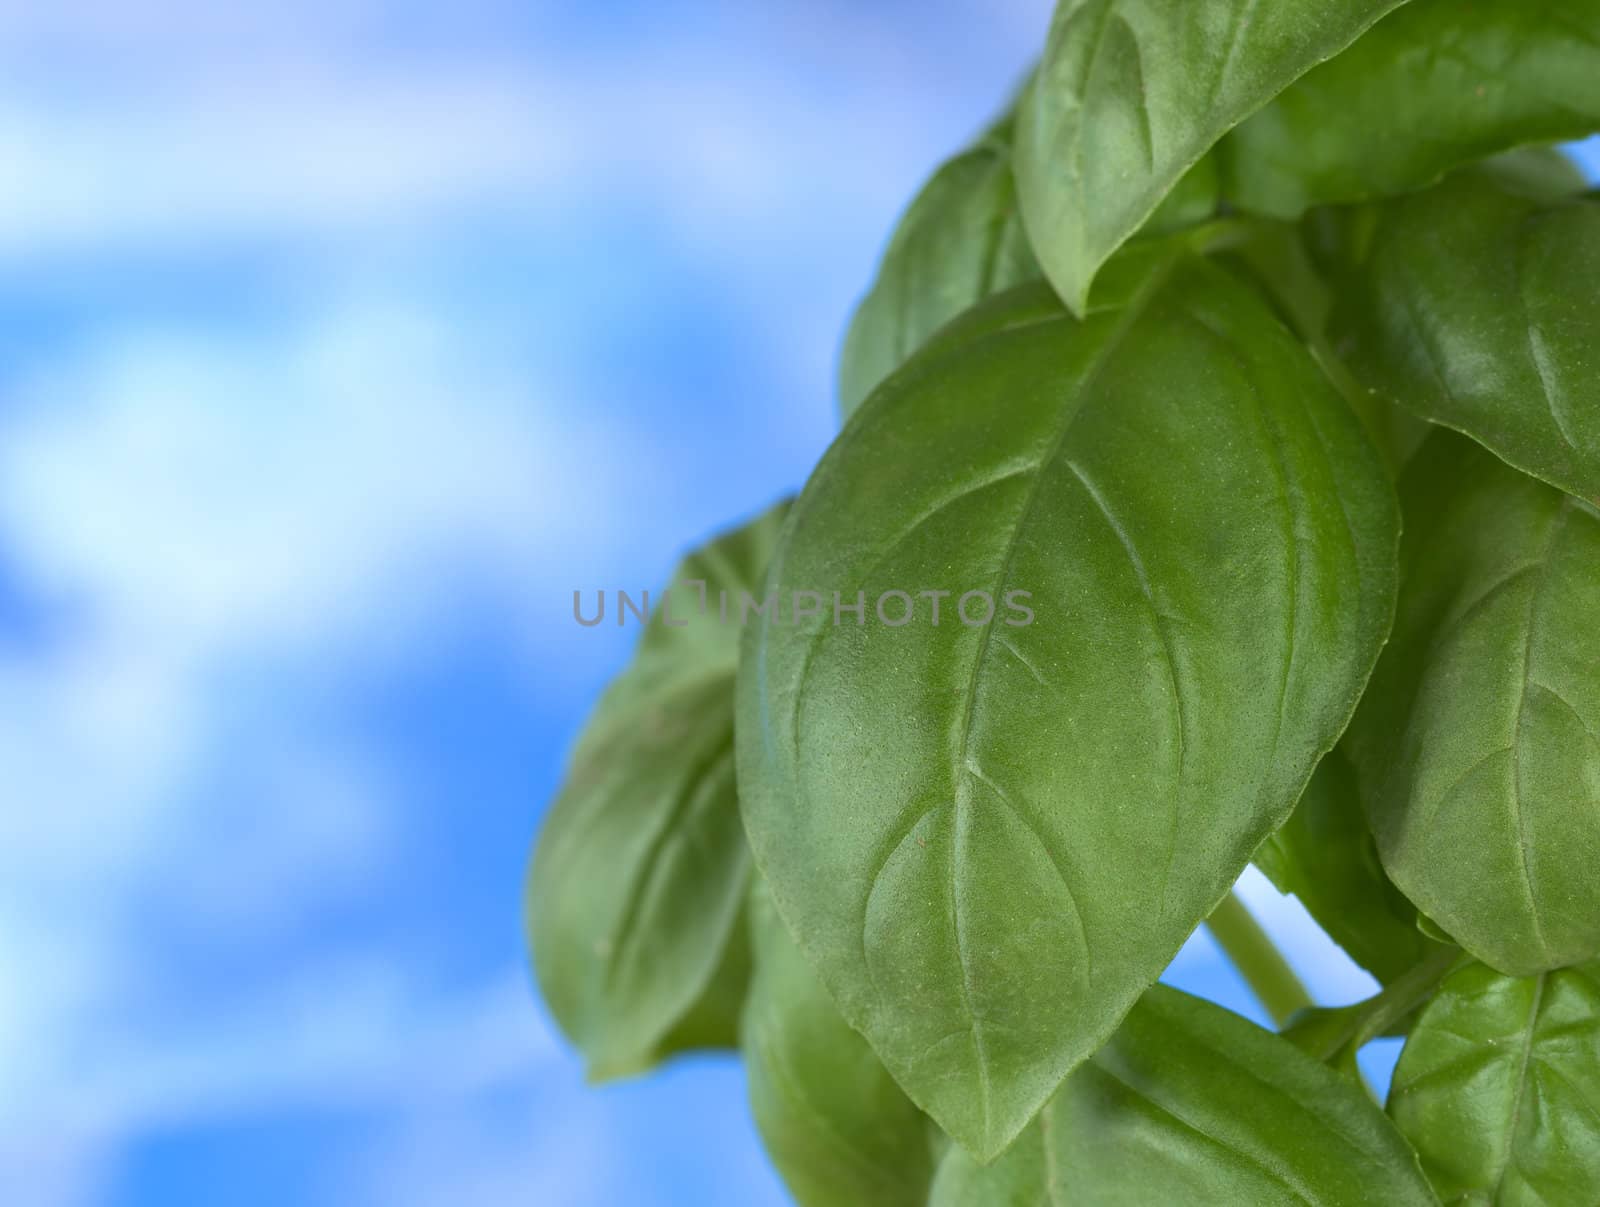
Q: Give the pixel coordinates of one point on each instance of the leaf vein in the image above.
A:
(1125, 323)
(1539, 351)
(1519, 814)
(1164, 636)
(1023, 816)
(1247, 1158)
(1522, 1084)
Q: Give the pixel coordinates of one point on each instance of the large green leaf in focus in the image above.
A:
(1326, 856)
(1190, 1104)
(960, 241)
(991, 839)
(1131, 93)
(639, 876)
(1477, 742)
(1478, 307)
(1498, 1088)
(838, 1128)
(1432, 87)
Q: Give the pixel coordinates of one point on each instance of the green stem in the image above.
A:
(1342, 1031)
(1382, 1013)
(1259, 962)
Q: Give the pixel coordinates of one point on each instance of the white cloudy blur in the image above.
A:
(318, 322)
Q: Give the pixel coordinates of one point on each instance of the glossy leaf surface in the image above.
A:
(1434, 86)
(991, 839)
(640, 872)
(1326, 856)
(1131, 93)
(838, 1128)
(1476, 743)
(960, 241)
(1189, 1103)
(1498, 1087)
(1477, 307)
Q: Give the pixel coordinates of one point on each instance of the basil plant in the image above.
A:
(1219, 483)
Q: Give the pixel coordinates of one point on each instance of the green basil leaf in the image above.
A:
(639, 876)
(1338, 236)
(1476, 306)
(960, 241)
(1431, 87)
(1275, 256)
(1189, 1103)
(1476, 743)
(1131, 93)
(991, 839)
(1326, 856)
(1498, 1087)
(838, 1128)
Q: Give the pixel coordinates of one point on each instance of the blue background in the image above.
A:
(340, 341)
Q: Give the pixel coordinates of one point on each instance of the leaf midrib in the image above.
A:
(1133, 312)
(621, 942)
(1558, 525)
(1247, 1158)
(781, 1067)
(1522, 1084)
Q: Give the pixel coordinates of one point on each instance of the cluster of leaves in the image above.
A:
(1260, 343)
